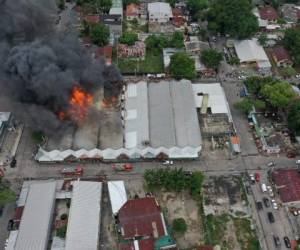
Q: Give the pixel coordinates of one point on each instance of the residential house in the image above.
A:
(167, 53)
(290, 13)
(194, 46)
(159, 12)
(114, 22)
(136, 50)
(132, 11)
(116, 8)
(268, 13)
(287, 183)
(281, 57)
(92, 19)
(179, 20)
(250, 52)
(105, 53)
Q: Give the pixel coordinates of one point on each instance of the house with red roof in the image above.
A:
(105, 53)
(281, 57)
(179, 20)
(132, 11)
(142, 218)
(287, 183)
(268, 13)
(92, 19)
(144, 244)
(136, 50)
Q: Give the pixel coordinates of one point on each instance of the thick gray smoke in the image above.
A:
(40, 67)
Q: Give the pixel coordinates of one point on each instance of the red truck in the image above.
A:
(72, 171)
(122, 167)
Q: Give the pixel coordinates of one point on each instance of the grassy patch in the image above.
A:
(153, 63)
(215, 226)
(245, 235)
(6, 195)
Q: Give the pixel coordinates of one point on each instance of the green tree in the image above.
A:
(278, 94)
(61, 232)
(232, 17)
(38, 136)
(179, 225)
(234, 60)
(128, 38)
(172, 2)
(262, 39)
(156, 43)
(60, 4)
(104, 5)
(127, 2)
(6, 195)
(196, 183)
(259, 104)
(182, 66)
(211, 58)
(244, 105)
(255, 83)
(99, 34)
(288, 71)
(294, 116)
(195, 6)
(177, 40)
(291, 42)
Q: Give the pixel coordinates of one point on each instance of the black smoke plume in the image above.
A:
(40, 66)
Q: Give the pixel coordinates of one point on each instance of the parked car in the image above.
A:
(276, 241)
(248, 189)
(271, 164)
(259, 205)
(10, 225)
(287, 242)
(266, 202)
(168, 162)
(271, 217)
(274, 204)
(263, 187)
(257, 177)
(252, 178)
(1, 210)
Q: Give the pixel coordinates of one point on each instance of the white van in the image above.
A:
(263, 187)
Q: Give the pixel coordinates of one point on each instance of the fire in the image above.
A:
(109, 102)
(80, 101)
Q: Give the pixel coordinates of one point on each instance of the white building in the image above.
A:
(162, 117)
(117, 195)
(84, 217)
(159, 12)
(35, 226)
(211, 97)
(251, 52)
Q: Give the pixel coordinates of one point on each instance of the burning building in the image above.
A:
(159, 121)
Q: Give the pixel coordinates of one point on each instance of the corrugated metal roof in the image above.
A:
(117, 195)
(250, 51)
(84, 217)
(160, 7)
(137, 99)
(37, 217)
(216, 97)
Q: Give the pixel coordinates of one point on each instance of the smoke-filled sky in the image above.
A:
(39, 66)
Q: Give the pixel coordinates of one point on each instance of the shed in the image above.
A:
(117, 195)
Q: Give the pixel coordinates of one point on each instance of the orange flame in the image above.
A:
(80, 102)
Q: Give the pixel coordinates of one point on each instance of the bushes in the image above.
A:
(61, 232)
(175, 180)
(128, 38)
(179, 225)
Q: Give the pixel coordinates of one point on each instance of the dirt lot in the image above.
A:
(175, 206)
(227, 222)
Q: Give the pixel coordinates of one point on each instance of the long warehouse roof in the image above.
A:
(84, 217)
(37, 217)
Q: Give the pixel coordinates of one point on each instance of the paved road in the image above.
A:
(280, 227)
